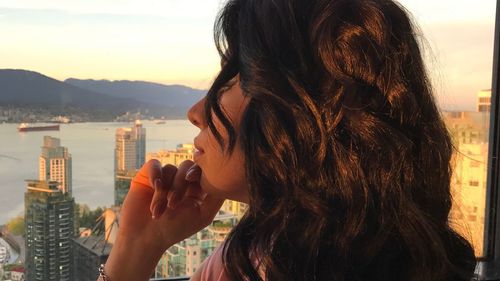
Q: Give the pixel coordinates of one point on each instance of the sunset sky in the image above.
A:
(170, 41)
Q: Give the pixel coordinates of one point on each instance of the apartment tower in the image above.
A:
(130, 153)
(49, 223)
(55, 164)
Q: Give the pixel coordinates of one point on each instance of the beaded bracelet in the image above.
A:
(102, 274)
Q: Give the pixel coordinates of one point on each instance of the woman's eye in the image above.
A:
(228, 85)
(224, 88)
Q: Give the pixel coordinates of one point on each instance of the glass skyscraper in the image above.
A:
(49, 222)
(55, 164)
(130, 147)
(130, 153)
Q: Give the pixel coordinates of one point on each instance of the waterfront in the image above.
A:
(92, 148)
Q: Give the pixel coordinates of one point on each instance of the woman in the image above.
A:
(322, 119)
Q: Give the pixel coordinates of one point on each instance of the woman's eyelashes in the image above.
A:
(224, 88)
(228, 85)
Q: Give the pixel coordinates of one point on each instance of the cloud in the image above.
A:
(431, 11)
(171, 9)
(460, 61)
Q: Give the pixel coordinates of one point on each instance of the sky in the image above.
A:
(171, 42)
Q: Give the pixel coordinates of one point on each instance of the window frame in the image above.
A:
(488, 267)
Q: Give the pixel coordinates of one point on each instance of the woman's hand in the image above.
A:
(163, 206)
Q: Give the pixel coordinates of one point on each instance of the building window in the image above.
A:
(474, 183)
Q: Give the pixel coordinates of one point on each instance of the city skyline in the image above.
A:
(171, 42)
(48, 207)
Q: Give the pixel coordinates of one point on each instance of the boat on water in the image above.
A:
(25, 127)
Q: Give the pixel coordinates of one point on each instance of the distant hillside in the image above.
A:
(159, 94)
(24, 88)
(21, 87)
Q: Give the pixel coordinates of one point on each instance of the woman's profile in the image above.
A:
(322, 119)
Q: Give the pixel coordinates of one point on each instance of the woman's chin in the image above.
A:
(208, 187)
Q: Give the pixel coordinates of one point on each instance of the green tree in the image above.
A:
(16, 226)
(84, 217)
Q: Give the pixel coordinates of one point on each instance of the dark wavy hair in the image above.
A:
(347, 156)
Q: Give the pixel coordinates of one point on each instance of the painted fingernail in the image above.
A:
(193, 174)
(158, 185)
(153, 210)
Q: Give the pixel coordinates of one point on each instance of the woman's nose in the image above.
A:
(196, 114)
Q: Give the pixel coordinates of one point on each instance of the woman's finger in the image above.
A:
(194, 191)
(179, 184)
(148, 173)
(193, 174)
(153, 168)
(162, 187)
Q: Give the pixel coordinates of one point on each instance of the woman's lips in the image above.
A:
(197, 154)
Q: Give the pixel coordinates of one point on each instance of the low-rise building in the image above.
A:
(90, 252)
(173, 157)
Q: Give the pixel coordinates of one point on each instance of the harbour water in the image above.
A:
(92, 148)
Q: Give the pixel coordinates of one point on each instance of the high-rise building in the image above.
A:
(174, 157)
(122, 185)
(49, 223)
(130, 147)
(469, 131)
(55, 164)
(484, 101)
(130, 153)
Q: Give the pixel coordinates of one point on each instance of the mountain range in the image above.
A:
(29, 88)
(147, 92)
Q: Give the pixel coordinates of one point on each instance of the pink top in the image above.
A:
(213, 270)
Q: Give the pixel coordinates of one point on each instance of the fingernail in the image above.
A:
(158, 184)
(153, 210)
(193, 174)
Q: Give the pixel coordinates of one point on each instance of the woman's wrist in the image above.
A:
(132, 259)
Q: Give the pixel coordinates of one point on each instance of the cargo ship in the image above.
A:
(24, 127)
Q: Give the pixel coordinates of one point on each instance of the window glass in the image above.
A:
(459, 42)
(92, 89)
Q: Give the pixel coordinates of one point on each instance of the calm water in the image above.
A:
(92, 148)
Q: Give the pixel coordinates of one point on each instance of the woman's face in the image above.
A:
(223, 174)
